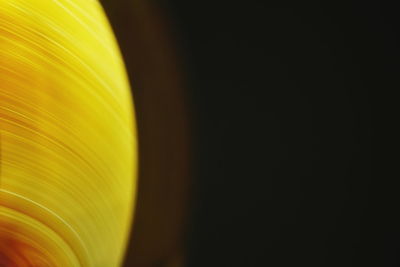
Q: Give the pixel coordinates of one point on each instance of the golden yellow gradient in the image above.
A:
(68, 155)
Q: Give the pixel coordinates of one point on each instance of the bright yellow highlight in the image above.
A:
(68, 145)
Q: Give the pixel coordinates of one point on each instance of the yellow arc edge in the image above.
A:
(68, 142)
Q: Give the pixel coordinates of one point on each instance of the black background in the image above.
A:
(286, 101)
(282, 100)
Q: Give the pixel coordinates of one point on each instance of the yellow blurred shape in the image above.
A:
(68, 140)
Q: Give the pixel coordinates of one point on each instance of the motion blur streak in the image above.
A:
(68, 154)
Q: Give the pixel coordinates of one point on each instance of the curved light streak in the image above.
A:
(68, 152)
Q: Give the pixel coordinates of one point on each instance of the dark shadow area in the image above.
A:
(280, 101)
